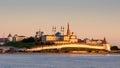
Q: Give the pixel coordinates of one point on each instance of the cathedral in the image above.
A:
(59, 37)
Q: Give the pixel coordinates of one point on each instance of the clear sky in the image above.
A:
(87, 18)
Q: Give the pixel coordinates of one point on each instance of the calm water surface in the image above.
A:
(59, 61)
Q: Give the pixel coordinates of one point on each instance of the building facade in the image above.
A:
(17, 38)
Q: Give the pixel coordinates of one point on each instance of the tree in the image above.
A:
(114, 48)
(28, 40)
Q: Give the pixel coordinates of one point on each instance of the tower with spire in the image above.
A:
(105, 41)
(68, 30)
(10, 38)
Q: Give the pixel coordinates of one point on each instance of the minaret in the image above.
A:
(62, 30)
(68, 30)
(53, 30)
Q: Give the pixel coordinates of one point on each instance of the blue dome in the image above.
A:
(58, 34)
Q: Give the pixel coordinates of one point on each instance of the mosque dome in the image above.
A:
(58, 34)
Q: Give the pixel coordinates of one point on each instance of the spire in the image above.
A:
(9, 35)
(39, 29)
(104, 41)
(68, 30)
(40, 32)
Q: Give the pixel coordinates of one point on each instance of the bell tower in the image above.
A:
(68, 30)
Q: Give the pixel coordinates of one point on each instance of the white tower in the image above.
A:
(106, 45)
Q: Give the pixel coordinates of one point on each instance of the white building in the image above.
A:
(59, 37)
(17, 38)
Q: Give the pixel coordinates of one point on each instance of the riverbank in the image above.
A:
(65, 50)
(72, 52)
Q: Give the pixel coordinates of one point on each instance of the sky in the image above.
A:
(87, 18)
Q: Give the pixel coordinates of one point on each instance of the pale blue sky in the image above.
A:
(87, 18)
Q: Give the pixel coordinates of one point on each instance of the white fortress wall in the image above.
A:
(67, 45)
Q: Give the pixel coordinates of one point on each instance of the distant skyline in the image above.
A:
(87, 18)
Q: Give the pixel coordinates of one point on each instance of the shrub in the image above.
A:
(28, 40)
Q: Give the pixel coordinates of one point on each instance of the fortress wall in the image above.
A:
(67, 45)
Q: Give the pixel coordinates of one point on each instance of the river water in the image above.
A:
(59, 61)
